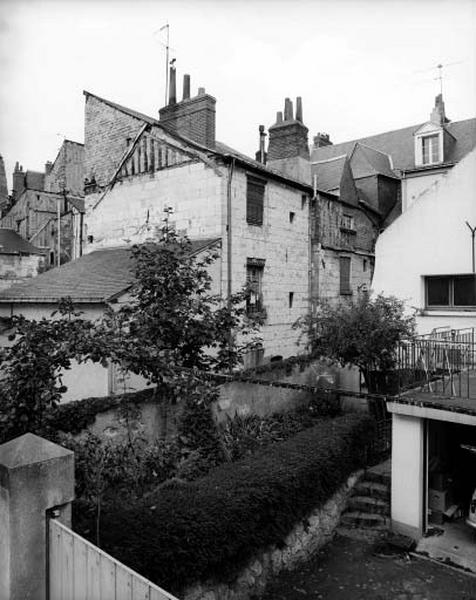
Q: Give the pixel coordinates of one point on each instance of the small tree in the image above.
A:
(364, 333)
(174, 324)
(31, 367)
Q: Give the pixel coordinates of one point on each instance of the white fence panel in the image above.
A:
(78, 570)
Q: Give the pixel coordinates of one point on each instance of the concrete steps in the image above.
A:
(367, 516)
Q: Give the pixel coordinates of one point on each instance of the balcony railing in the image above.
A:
(441, 363)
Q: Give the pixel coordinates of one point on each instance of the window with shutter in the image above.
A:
(344, 262)
(254, 200)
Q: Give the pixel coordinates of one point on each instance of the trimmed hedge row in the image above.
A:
(187, 532)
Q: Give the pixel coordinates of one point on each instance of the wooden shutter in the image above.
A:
(254, 200)
(345, 275)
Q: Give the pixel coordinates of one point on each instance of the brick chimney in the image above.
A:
(193, 118)
(438, 115)
(19, 181)
(321, 140)
(288, 150)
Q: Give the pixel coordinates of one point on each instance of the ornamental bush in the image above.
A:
(190, 531)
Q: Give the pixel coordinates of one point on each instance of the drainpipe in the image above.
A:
(231, 167)
(58, 241)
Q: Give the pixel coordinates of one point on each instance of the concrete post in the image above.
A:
(35, 475)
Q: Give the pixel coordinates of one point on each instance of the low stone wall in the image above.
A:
(304, 540)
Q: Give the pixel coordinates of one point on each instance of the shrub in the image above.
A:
(190, 531)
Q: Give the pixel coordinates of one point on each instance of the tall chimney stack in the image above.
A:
(186, 87)
(288, 110)
(173, 86)
(299, 109)
(261, 154)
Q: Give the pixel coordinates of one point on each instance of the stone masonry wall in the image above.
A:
(15, 268)
(67, 171)
(304, 540)
(105, 138)
(284, 245)
(134, 208)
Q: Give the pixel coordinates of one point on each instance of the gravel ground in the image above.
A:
(347, 569)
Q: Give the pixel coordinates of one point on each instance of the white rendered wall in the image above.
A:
(407, 474)
(430, 238)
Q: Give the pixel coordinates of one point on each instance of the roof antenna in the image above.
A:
(440, 72)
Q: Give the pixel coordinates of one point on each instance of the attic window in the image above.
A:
(430, 147)
(347, 223)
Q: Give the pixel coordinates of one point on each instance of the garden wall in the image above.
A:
(236, 398)
(305, 539)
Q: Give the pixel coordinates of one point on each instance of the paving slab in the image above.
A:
(348, 569)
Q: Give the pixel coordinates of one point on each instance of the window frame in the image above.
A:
(255, 186)
(434, 142)
(451, 306)
(256, 264)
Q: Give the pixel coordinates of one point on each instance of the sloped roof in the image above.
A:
(400, 145)
(329, 173)
(94, 278)
(12, 243)
(377, 161)
(220, 149)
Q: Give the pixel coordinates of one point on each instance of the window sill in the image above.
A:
(347, 293)
(254, 224)
(346, 230)
(447, 311)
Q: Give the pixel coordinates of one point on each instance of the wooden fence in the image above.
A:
(78, 570)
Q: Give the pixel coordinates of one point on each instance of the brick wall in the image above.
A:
(193, 118)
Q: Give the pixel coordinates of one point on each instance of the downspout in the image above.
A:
(81, 224)
(231, 167)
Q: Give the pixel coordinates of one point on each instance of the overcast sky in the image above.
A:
(361, 66)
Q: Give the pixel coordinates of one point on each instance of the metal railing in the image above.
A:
(442, 362)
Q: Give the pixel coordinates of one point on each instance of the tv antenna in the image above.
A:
(440, 67)
(167, 53)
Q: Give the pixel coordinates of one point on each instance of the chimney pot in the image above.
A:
(201, 91)
(279, 117)
(288, 110)
(173, 86)
(299, 109)
(186, 87)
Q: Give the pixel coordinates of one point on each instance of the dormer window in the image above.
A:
(430, 146)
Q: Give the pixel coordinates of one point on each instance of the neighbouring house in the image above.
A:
(141, 170)
(47, 208)
(100, 278)
(4, 198)
(426, 257)
(19, 259)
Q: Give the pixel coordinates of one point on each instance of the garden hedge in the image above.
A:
(187, 532)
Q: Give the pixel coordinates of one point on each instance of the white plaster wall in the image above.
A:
(407, 474)
(412, 187)
(193, 190)
(430, 238)
(85, 380)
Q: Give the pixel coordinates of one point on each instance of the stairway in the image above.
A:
(367, 516)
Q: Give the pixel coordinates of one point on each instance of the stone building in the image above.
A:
(19, 260)
(47, 208)
(137, 167)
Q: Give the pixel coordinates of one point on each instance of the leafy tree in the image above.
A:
(174, 324)
(31, 367)
(364, 333)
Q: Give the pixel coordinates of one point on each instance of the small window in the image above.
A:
(364, 265)
(291, 299)
(254, 200)
(430, 146)
(344, 264)
(303, 201)
(254, 280)
(291, 216)
(347, 223)
(452, 291)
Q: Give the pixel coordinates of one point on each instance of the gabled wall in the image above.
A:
(431, 238)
